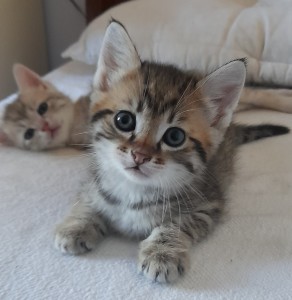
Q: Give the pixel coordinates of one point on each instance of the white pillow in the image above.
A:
(202, 35)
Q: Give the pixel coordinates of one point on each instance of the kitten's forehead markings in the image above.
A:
(101, 114)
(168, 108)
(158, 105)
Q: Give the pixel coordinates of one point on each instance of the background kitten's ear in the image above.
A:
(26, 78)
(117, 57)
(221, 91)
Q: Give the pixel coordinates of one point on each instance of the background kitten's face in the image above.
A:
(41, 117)
(143, 132)
(38, 119)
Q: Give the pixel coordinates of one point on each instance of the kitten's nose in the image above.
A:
(139, 157)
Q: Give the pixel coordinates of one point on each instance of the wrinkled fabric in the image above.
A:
(249, 256)
(202, 35)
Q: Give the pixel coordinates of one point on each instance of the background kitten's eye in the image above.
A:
(28, 135)
(174, 137)
(42, 109)
(125, 121)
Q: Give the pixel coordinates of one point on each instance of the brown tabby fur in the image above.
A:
(176, 194)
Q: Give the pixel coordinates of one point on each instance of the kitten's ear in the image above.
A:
(26, 78)
(221, 92)
(117, 57)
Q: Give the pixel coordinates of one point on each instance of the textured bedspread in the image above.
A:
(249, 256)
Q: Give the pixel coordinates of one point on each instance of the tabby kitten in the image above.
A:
(42, 117)
(163, 152)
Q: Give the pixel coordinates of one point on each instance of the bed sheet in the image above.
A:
(249, 256)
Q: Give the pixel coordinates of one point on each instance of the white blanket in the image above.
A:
(249, 256)
(202, 35)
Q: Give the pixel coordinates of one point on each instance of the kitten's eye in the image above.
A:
(125, 121)
(42, 109)
(28, 135)
(174, 137)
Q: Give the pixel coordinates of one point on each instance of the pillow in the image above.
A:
(202, 35)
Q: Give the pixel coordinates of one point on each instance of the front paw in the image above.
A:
(75, 237)
(160, 264)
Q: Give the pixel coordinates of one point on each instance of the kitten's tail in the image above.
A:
(248, 133)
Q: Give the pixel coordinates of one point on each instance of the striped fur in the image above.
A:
(176, 196)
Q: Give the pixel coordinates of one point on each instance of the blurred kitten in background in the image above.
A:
(42, 117)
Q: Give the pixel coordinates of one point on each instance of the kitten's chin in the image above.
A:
(136, 171)
(137, 175)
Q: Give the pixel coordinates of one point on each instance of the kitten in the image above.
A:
(162, 159)
(42, 117)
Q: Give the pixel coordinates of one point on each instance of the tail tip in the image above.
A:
(279, 129)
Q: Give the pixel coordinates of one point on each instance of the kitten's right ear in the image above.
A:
(221, 92)
(26, 78)
(117, 57)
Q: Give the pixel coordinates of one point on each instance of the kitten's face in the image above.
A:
(144, 133)
(39, 119)
(154, 125)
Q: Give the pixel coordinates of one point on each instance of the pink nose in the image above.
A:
(139, 157)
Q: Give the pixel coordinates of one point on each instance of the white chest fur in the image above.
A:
(122, 217)
(130, 221)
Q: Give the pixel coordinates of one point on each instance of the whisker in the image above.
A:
(79, 133)
(189, 104)
(179, 209)
(80, 144)
(168, 200)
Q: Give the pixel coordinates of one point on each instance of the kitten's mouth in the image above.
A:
(52, 131)
(136, 171)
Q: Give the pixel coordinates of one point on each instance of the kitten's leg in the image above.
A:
(81, 231)
(163, 256)
(276, 99)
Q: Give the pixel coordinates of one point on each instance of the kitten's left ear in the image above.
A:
(221, 92)
(117, 57)
(26, 78)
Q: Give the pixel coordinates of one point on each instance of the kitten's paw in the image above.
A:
(162, 266)
(73, 237)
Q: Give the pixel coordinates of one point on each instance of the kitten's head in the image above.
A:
(153, 124)
(40, 118)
